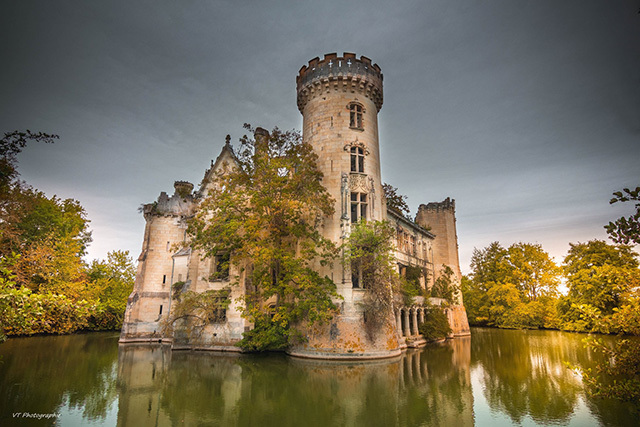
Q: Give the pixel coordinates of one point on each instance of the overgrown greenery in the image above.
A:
(436, 325)
(396, 201)
(368, 252)
(266, 212)
(45, 286)
(444, 286)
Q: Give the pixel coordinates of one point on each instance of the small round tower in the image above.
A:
(339, 98)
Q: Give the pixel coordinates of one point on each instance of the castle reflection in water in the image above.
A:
(160, 387)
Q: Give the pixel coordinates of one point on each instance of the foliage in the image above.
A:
(435, 325)
(444, 286)
(45, 286)
(512, 288)
(532, 270)
(11, 144)
(266, 211)
(396, 201)
(411, 282)
(111, 283)
(601, 277)
(626, 230)
(266, 335)
(369, 251)
(619, 376)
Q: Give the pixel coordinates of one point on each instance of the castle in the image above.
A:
(339, 99)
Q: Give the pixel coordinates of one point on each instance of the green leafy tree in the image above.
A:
(395, 200)
(513, 287)
(626, 230)
(369, 253)
(266, 212)
(11, 144)
(599, 276)
(111, 282)
(436, 324)
(532, 270)
(444, 286)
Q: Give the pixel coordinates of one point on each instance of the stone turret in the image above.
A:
(345, 73)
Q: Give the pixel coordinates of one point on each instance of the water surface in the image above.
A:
(495, 377)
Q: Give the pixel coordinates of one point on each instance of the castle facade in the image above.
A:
(339, 99)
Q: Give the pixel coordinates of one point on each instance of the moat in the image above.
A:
(495, 377)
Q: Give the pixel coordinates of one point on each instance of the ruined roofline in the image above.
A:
(446, 204)
(340, 72)
(412, 224)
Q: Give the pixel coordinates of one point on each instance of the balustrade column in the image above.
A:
(414, 321)
(406, 332)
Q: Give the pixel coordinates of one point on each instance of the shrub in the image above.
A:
(436, 324)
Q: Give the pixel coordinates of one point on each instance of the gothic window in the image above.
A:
(355, 116)
(357, 159)
(219, 314)
(219, 269)
(358, 206)
(359, 275)
(356, 275)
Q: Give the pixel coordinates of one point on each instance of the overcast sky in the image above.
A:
(526, 112)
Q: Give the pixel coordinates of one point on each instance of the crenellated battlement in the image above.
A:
(446, 204)
(345, 73)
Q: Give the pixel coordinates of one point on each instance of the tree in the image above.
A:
(626, 230)
(369, 253)
(11, 144)
(599, 276)
(513, 287)
(111, 282)
(532, 270)
(266, 212)
(396, 201)
(444, 287)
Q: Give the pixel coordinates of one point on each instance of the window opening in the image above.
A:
(357, 159)
(219, 267)
(355, 116)
(358, 206)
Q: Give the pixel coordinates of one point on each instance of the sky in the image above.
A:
(527, 113)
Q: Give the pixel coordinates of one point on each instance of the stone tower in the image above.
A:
(440, 219)
(158, 265)
(339, 98)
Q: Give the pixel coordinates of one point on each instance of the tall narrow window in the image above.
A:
(357, 159)
(355, 116)
(358, 206)
(219, 269)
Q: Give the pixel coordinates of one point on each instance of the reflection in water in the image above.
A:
(524, 374)
(46, 375)
(421, 387)
(494, 377)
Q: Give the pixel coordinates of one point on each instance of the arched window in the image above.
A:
(357, 159)
(355, 116)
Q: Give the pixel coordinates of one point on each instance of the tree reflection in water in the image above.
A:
(525, 374)
(41, 375)
(495, 377)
